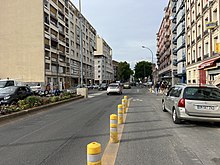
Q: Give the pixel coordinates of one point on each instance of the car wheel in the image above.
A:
(107, 93)
(175, 118)
(46, 92)
(163, 107)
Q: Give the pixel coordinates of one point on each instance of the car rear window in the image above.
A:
(202, 93)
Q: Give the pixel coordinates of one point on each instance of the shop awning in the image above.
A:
(208, 63)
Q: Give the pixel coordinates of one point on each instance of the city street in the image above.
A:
(60, 135)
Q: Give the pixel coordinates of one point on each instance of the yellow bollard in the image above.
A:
(126, 102)
(94, 153)
(124, 105)
(120, 114)
(113, 128)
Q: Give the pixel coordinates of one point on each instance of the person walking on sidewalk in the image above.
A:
(157, 86)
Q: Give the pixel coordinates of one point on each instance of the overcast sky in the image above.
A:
(126, 25)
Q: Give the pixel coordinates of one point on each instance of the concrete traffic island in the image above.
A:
(82, 92)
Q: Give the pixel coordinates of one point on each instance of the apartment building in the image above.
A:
(103, 62)
(40, 42)
(178, 40)
(166, 52)
(115, 69)
(202, 39)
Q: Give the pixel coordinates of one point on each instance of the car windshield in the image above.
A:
(2, 84)
(7, 90)
(202, 93)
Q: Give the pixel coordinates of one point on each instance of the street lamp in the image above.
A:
(81, 48)
(144, 47)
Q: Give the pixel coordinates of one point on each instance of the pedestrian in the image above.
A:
(157, 86)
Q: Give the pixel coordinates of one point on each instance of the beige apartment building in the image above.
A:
(40, 42)
(202, 38)
(103, 62)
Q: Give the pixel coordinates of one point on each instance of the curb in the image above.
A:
(36, 109)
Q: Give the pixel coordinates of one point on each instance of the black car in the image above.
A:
(103, 86)
(12, 94)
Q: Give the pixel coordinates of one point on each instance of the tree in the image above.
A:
(124, 72)
(143, 69)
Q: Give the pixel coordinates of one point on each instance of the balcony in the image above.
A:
(54, 16)
(193, 42)
(54, 38)
(174, 51)
(206, 55)
(199, 37)
(198, 16)
(174, 20)
(175, 62)
(204, 8)
(174, 31)
(205, 32)
(174, 41)
(199, 59)
(47, 46)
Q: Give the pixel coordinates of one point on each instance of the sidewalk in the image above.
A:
(144, 140)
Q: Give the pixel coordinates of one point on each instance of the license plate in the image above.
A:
(204, 107)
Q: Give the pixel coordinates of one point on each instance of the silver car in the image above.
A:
(193, 102)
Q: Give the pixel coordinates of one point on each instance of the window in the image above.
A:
(47, 66)
(214, 18)
(206, 48)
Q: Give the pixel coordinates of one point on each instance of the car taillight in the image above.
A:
(181, 103)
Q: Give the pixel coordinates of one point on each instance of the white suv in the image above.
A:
(193, 102)
(114, 88)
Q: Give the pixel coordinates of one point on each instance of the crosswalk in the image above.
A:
(96, 94)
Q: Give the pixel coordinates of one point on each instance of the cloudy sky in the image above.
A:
(126, 25)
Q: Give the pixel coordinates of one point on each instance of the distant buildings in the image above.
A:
(103, 62)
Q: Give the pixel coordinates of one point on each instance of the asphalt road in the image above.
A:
(59, 136)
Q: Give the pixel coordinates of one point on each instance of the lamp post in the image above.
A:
(152, 57)
(144, 47)
(81, 48)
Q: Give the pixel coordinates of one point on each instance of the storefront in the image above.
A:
(209, 70)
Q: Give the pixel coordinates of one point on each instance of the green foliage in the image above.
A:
(143, 69)
(34, 101)
(54, 99)
(124, 72)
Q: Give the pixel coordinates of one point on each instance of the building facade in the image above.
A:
(115, 69)
(40, 42)
(166, 51)
(103, 62)
(202, 39)
(178, 30)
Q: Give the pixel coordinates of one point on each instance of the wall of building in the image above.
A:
(22, 40)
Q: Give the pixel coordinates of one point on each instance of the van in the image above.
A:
(10, 82)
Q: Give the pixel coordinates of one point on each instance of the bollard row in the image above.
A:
(94, 148)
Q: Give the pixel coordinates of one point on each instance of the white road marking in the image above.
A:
(96, 94)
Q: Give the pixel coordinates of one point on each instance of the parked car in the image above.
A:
(103, 86)
(127, 86)
(12, 94)
(10, 82)
(114, 88)
(193, 102)
(95, 86)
